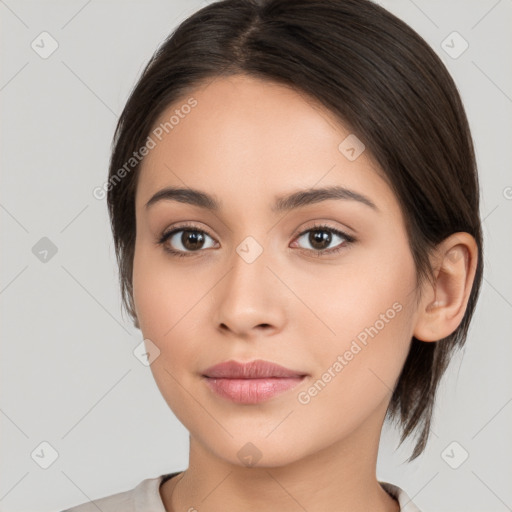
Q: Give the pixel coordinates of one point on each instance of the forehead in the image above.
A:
(245, 138)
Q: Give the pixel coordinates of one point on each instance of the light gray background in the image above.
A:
(68, 374)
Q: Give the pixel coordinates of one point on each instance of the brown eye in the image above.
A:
(183, 240)
(192, 240)
(320, 238)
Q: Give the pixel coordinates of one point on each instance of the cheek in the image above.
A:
(169, 304)
(162, 295)
(371, 313)
(163, 300)
(369, 294)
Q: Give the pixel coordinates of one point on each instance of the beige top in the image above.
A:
(145, 497)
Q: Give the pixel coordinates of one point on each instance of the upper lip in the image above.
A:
(257, 369)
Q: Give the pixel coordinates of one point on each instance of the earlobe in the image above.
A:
(444, 302)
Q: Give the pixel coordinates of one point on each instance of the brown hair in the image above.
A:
(381, 79)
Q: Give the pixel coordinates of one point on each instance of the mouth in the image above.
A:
(252, 382)
(257, 369)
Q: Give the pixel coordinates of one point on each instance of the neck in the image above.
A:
(339, 477)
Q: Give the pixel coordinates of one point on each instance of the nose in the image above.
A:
(250, 298)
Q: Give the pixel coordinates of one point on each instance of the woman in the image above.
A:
(294, 203)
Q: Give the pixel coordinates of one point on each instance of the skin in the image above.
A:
(248, 141)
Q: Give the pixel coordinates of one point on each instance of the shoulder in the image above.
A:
(406, 504)
(145, 497)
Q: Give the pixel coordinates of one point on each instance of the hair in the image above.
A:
(378, 77)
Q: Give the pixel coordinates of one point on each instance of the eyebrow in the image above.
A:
(289, 202)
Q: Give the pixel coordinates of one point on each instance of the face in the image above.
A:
(324, 286)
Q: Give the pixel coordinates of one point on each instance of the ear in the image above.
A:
(444, 302)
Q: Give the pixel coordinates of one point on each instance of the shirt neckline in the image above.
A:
(148, 495)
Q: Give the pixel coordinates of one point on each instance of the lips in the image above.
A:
(258, 369)
(251, 383)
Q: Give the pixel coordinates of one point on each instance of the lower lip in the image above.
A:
(252, 391)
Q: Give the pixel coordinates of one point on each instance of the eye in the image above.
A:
(319, 237)
(186, 239)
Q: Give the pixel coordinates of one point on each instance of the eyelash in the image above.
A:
(348, 239)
